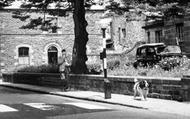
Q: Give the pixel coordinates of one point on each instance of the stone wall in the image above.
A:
(38, 47)
(170, 31)
(187, 27)
(10, 25)
(133, 29)
(41, 79)
(164, 88)
(185, 87)
(160, 87)
(186, 42)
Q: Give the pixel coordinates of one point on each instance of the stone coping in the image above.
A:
(109, 76)
(129, 77)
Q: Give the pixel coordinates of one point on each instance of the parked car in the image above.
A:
(151, 54)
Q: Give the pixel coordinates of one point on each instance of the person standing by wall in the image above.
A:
(63, 64)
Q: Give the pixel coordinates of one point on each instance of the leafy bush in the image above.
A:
(40, 69)
(169, 63)
(112, 64)
(94, 68)
(185, 63)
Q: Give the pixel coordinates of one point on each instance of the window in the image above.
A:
(148, 35)
(52, 55)
(142, 52)
(150, 52)
(119, 29)
(23, 54)
(179, 31)
(123, 33)
(158, 36)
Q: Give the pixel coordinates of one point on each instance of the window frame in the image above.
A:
(179, 31)
(158, 36)
(23, 52)
(50, 51)
(148, 36)
(24, 55)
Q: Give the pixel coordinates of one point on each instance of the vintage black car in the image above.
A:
(151, 54)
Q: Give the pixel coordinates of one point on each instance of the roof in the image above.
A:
(172, 49)
(153, 24)
(152, 44)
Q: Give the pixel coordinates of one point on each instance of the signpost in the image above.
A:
(107, 84)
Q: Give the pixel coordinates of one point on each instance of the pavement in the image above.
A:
(153, 104)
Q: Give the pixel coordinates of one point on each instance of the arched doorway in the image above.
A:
(52, 55)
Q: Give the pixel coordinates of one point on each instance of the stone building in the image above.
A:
(172, 31)
(22, 47)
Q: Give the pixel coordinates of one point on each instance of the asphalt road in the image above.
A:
(18, 104)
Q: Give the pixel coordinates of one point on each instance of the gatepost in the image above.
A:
(185, 88)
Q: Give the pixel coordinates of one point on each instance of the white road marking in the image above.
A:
(86, 106)
(41, 106)
(4, 108)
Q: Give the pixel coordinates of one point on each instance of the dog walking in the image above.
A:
(141, 88)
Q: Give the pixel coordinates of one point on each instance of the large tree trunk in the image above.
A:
(79, 57)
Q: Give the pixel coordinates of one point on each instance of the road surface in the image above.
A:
(19, 104)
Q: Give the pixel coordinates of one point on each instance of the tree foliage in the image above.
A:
(4, 3)
(157, 9)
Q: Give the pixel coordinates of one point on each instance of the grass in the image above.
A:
(152, 72)
(126, 69)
